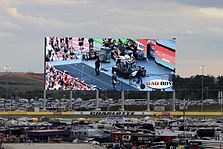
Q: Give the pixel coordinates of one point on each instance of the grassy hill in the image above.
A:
(21, 82)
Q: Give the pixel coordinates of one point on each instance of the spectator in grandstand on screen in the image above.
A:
(47, 58)
(92, 52)
(56, 86)
(91, 42)
(53, 57)
(81, 42)
(69, 42)
(73, 55)
(130, 45)
(70, 47)
(103, 41)
(111, 43)
(57, 80)
(97, 66)
(114, 80)
(63, 44)
(55, 44)
(120, 41)
(106, 42)
(51, 41)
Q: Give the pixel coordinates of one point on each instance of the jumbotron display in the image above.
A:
(73, 63)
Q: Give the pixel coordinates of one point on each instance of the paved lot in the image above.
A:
(47, 146)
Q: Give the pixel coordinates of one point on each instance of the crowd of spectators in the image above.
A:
(58, 80)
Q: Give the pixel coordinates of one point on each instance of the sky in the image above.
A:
(196, 25)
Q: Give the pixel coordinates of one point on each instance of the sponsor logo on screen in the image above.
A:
(159, 84)
(111, 113)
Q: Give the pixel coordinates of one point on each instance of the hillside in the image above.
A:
(21, 82)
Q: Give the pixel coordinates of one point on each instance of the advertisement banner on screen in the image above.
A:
(159, 84)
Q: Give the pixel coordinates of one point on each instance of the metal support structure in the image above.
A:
(184, 110)
(183, 107)
(44, 100)
(220, 100)
(207, 92)
(7, 70)
(97, 98)
(202, 93)
(123, 101)
(71, 97)
(148, 100)
(174, 101)
(202, 87)
(6, 89)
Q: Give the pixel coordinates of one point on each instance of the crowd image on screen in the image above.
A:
(58, 80)
(59, 49)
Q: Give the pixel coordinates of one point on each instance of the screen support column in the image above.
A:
(174, 101)
(71, 97)
(44, 100)
(97, 102)
(123, 100)
(148, 100)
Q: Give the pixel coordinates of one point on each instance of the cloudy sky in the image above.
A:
(197, 25)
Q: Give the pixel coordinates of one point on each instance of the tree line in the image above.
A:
(188, 88)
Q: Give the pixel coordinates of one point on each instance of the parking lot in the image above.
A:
(58, 105)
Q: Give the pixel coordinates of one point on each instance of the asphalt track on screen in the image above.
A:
(84, 70)
(87, 73)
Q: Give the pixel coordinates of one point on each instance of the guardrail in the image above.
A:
(109, 113)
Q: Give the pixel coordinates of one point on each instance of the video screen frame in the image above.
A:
(119, 60)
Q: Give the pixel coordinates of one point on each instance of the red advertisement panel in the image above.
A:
(152, 47)
(166, 55)
(142, 45)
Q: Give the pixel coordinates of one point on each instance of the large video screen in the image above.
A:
(74, 63)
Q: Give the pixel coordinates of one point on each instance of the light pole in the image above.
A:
(202, 86)
(7, 70)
